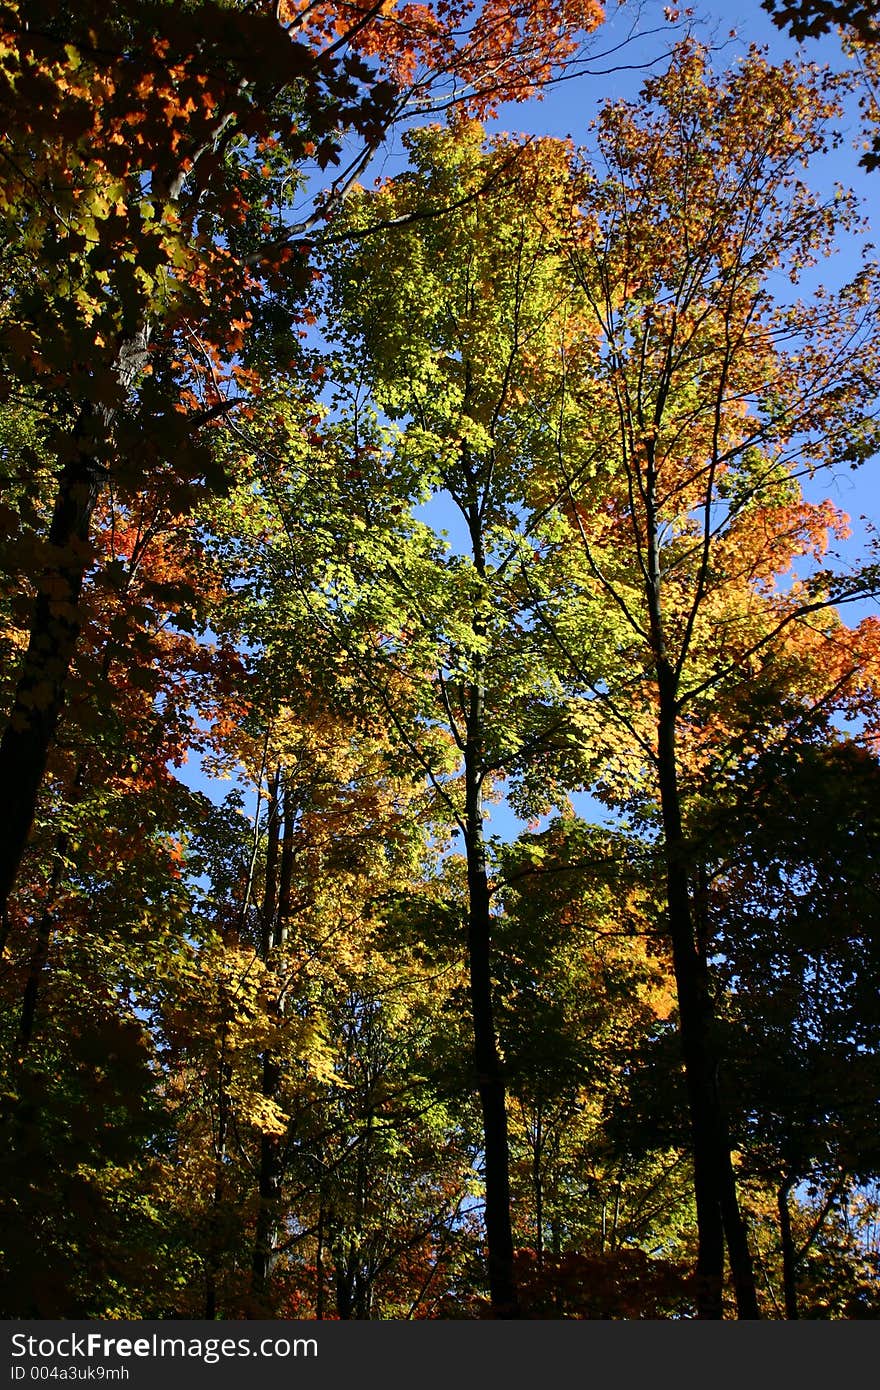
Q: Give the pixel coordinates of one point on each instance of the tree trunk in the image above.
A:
(276, 908)
(39, 958)
(718, 1213)
(271, 1172)
(490, 1081)
(319, 1265)
(789, 1255)
(694, 1021)
(735, 1233)
(270, 881)
(344, 1303)
(556, 1247)
(42, 681)
(285, 877)
(538, 1185)
(503, 1291)
(344, 1270)
(615, 1220)
(55, 624)
(214, 1255)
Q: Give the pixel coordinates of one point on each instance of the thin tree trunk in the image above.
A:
(319, 1266)
(503, 1292)
(270, 881)
(276, 907)
(39, 955)
(538, 1186)
(490, 1081)
(789, 1255)
(694, 1010)
(213, 1260)
(556, 1246)
(615, 1220)
(268, 1214)
(285, 876)
(344, 1282)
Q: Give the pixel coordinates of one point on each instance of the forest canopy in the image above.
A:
(440, 684)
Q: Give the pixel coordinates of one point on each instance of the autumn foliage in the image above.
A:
(341, 516)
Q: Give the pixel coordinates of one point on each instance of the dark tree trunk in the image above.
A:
(55, 624)
(276, 906)
(39, 958)
(694, 1021)
(735, 1233)
(319, 1266)
(214, 1256)
(43, 943)
(270, 881)
(714, 1181)
(615, 1220)
(268, 1215)
(718, 1213)
(285, 877)
(789, 1254)
(344, 1265)
(503, 1293)
(538, 1185)
(42, 681)
(344, 1303)
(490, 1081)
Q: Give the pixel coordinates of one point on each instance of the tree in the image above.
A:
(267, 1056)
(442, 334)
(100, 925)
(583, 980)
(707, 400)
(138, 261)
(858, 27)
(792, 911)
(809, 19)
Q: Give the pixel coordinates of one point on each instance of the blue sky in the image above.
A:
(615, 67)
